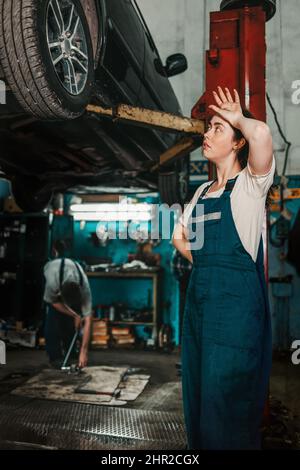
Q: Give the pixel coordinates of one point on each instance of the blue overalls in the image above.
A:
(226, 349)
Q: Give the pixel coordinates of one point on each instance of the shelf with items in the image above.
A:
(151, 313)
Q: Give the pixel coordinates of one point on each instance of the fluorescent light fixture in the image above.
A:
(112, 216)
(112, 211)
(116, 207)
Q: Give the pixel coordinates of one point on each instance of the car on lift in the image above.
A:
(58, 56)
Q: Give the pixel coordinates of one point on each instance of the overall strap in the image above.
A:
(61, 273)
(230, 184)
(206, 189)
(79, 274)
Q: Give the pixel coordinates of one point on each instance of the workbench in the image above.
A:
(153, 274)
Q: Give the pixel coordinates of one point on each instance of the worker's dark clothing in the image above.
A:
(59, 331)
(226, 335)
(59, 327)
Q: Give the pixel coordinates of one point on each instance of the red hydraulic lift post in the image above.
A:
(237, 59)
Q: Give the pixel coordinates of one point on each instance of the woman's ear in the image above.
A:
(240, 144)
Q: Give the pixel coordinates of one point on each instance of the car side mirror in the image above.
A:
(175, 64)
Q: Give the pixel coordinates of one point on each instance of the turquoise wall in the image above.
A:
(135, 293)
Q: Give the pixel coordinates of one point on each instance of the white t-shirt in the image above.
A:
(248, 199)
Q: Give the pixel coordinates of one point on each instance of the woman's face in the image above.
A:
(218, 140)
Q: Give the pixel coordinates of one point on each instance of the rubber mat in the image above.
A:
(57, 385)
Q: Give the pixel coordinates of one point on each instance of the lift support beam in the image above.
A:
(162, 121)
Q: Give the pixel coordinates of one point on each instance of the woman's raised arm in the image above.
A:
(257, 133)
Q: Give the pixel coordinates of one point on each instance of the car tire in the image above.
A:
(26, 27)
(29, 194)
(174, 184)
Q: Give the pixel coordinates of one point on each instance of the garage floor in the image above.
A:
(154, 422)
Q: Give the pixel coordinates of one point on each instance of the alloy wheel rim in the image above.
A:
(67, 45)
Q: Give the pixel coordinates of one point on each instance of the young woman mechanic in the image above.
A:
(226, 333)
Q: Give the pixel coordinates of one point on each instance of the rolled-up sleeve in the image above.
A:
(259, 185)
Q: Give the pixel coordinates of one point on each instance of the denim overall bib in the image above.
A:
(226, 349)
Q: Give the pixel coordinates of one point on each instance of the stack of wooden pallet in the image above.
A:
(100, 334)
(122, 336)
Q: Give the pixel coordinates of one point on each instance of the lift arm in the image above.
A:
(162, 121)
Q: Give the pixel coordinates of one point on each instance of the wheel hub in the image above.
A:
(68, 46)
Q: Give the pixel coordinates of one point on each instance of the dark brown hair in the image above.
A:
(60, 247)
(71, 295)
(243, 152)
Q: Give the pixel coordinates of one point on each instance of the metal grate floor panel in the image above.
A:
(65, 425)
